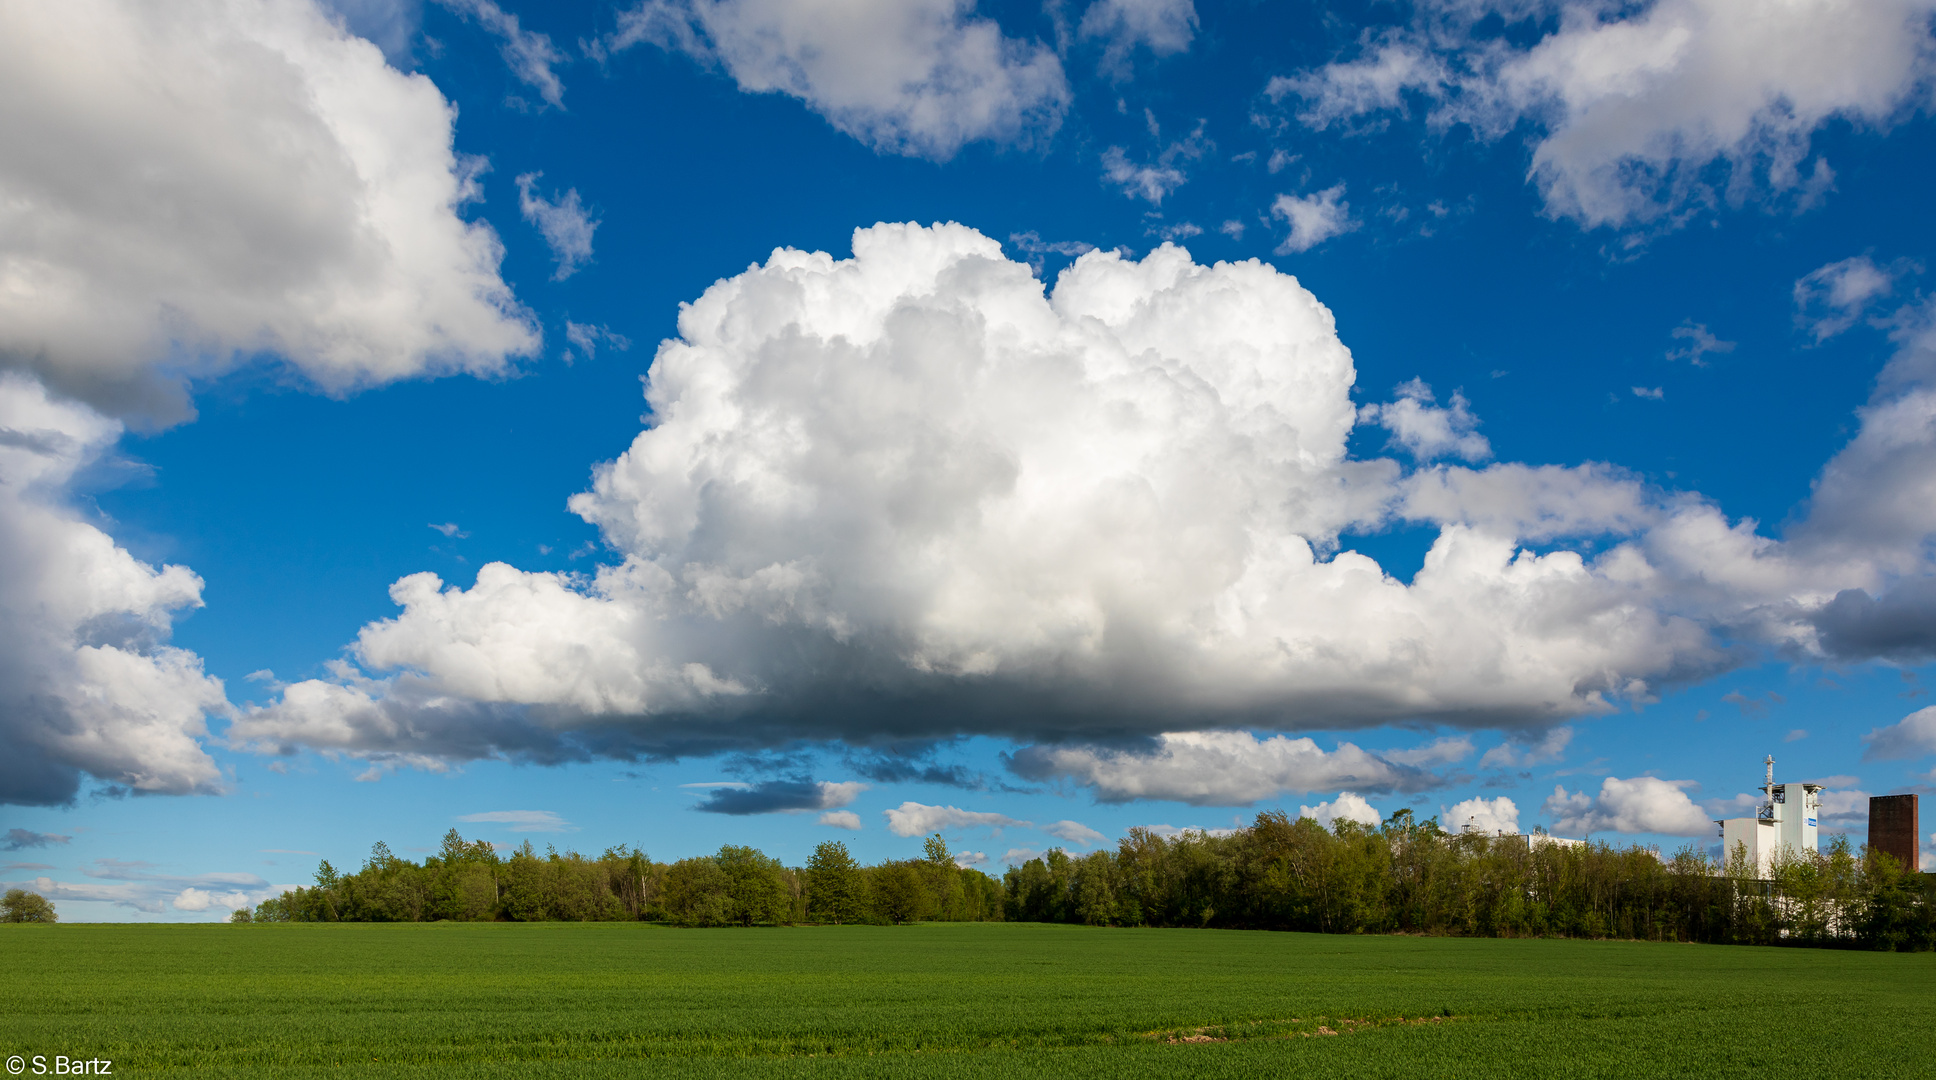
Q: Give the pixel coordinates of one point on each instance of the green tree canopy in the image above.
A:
(21, 906)
(835, 890)
(757, 888)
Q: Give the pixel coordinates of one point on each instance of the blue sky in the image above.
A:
(1537, 408)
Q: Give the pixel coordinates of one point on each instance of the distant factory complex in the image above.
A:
(1787, 819)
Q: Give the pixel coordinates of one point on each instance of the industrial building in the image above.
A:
(1894, 828)
(1785, 822)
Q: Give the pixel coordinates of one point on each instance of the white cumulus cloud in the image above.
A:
(296, 195)
(1348, 806)
(193, 899)
(919, 819)
(1489, 817)
(1425, 430)
(841, 819)
(1313, 218)
(1912, 736)
(912, 494)
(1643, 804)
(917, 77)
(1635, 104)
(88, 682)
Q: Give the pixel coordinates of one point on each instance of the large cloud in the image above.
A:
(1634, 103)
(918, 77)
(88, 682)
(185, 186)
(908, 496)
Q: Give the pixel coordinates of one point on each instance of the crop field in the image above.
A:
(944, 1000)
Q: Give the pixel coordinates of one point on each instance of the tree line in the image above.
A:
(1402, 876)
(1408, 876)
(737, 886)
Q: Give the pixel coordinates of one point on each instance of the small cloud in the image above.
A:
(965, 859)
(778, 796)
(193, 899)
(1313, 218)
(1035, 250)
(1279, 161)
(1426, 431)
(918, 819)
(1233, 228)
(22, 839)
(1795, 735)
(529, 55)
(522, 820)
(1349, 806)
(841, 819)
(13, 866)
(1488, 817)
(1153, 181)
(1171, 832)
(586, 338)
(1180, 231)
(1753, 706)
(1830, 299)
(566, 227)
(1074, 832)
(1655, 393)
(1700, 343)
(451, 531)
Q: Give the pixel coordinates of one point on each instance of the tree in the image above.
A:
(834, 891)
(241, 915)
(21, 906)
(943, 877)
(696, 893)
(757, 890)
(901, 892)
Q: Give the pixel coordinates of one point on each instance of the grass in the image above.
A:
(940, 1000)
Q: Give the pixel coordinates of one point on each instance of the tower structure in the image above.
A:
(1893, 828)
(1785, 821)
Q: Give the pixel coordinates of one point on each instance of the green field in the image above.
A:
(947, 1000)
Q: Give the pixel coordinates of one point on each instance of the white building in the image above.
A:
(1785, 821)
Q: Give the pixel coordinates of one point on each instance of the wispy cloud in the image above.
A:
(522, 820)
(22, 839)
